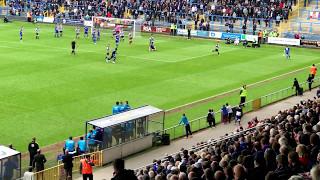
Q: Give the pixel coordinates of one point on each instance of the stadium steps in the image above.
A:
(293, 17)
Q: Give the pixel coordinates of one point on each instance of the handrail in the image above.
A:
(194, 120)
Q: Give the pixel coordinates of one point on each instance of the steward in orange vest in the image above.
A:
(86, 168)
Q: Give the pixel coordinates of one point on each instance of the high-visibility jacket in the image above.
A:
(172, 26)
(86, 167)
(244, 92)
(313, 70)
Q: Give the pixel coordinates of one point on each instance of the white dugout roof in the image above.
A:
(124, 116)
(6, 152)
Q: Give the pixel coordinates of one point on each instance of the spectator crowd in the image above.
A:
(284, 146)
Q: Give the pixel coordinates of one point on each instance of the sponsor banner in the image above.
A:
(310, 43)
(48, 19)
(182, 32)
(185, 32)
(314, 15)
(39, 18)
(88, 23)
(249, 37)
(213, 34)
(284, 41)
(202, 33)
(155, 29)
(231, 36)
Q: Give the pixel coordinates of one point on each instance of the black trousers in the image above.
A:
(87, 176)
(68, 172)
(188, 130)
(310, 85)
(31, 159)
(242, 100)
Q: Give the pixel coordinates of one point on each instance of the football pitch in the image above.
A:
(48, 93)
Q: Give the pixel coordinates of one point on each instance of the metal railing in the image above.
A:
(200, 123)
(57, 172)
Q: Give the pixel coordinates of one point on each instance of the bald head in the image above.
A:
(239, 172)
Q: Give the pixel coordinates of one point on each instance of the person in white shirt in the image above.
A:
(230, 112)
(236, 41)
(28, 175)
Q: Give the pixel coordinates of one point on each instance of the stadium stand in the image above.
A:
(231, 16)
(279, 147)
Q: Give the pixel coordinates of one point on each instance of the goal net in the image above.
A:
(126, 25)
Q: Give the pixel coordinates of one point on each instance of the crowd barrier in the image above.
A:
(57, 172)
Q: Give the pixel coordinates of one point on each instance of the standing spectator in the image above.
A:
(313, 70)
(238, 115)
(69, 145)
(39, 161)
(184, 120)
(243, 95)
(120, 173)
(254, 28)
(244, 28)
(210, 118)
(67, 164)
(32, 148)
(310, 81)
(296, 86)
(86, 165)
(82, 147)
(224, 114)
(28, 175)
(260, 37)
(230, 112)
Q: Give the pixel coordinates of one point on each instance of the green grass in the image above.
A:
(49, 94)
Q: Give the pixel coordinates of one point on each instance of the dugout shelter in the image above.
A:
(126, 133)
(10, 163)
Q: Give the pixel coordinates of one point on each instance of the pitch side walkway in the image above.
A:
(141, 159)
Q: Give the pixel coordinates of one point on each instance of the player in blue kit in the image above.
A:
(56, 31)
(86, 31)
(98, 34)
(21, 33)
(117, 38)
(287, 52)
(152, 47)
(94, 37)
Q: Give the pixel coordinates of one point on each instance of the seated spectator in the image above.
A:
(120, 173)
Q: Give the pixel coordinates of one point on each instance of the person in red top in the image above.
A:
(313, 70)
(86, 168)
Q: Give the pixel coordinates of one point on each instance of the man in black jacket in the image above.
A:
(296, 85)
(32, 148)
(120, 173)
(39, 161)
(67, 164)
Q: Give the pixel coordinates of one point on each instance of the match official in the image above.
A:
(243, 95)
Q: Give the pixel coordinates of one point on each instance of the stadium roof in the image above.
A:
(6, 152)
(125, 116)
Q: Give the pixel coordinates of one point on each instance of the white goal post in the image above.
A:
(127, 25)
